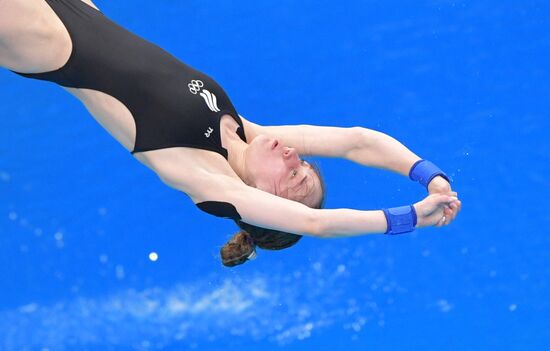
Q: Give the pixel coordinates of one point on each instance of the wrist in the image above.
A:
(424, 171)
(400, 220)
(439, 185)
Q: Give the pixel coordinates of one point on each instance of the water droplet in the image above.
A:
(153, 256)
(4, 176)
(119, 271)
(58, 236)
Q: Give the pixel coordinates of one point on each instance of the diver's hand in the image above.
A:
(440, 185)
(432, 210)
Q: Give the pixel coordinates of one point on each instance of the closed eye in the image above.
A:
(294, 172)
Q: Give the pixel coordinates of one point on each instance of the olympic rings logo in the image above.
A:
(195, 86)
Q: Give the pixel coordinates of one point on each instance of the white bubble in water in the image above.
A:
(5, 177)
(444, 305)
(513, 307)
(317, 266)
(153, 256)
(146, 344)
(30, 308)
(58, 236)
(341, 269)
(12, 215)
(119, 272)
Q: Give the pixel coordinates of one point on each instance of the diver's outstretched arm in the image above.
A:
(376, 149)
(380, 150)
(310, 139)
(266, 210)
(361, 145)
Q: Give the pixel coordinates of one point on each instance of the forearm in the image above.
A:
(343, 222)
(380, 150)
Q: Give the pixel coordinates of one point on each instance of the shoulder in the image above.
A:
(251, 129)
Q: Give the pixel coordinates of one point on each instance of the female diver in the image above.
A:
(180, 123)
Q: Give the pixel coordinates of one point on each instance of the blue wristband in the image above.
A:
(424, 171)
(400, 219)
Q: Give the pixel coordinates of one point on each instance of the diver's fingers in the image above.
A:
(441, 222)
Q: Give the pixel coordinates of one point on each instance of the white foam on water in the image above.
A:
(278, 308)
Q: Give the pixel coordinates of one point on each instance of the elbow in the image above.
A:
(358, 140)
(365, 145)
(316, 227)
(364, 137)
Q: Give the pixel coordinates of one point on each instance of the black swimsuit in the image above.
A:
(173, 105)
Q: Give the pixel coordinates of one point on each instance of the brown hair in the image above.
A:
(243, 244)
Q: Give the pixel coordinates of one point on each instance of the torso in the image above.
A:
(112, 114)
(114, 117)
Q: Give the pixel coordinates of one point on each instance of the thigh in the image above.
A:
(32, 38)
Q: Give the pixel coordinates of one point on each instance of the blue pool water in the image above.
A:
(464, 84)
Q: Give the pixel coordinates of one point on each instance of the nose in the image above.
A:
(290, 154)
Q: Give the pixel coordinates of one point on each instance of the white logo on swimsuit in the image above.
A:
(208, 132)
(195, 86)
(210, 99)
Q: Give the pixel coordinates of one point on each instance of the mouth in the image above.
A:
(274, 145)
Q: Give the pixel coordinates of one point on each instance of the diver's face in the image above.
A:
(279, 170)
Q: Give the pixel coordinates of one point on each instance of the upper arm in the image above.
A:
(310, 139)
(255, 206)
